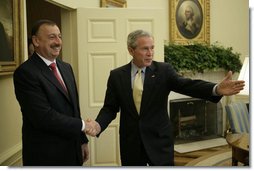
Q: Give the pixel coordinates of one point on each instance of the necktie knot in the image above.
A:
(54, 70)
(53, 66)
(138, 83)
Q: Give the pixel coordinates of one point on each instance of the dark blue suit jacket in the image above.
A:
(51, 131)
(152, 127)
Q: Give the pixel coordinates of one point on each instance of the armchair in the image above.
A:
(238, 115)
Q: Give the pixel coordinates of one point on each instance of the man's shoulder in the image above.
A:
(62, 62)
(155, 65)
(28, 64)
(28, 69)
(125, 67)
(161, 64)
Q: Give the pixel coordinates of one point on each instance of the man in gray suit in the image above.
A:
(145, 129)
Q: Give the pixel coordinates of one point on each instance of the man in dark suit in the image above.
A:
(53, 131)
(145, 129)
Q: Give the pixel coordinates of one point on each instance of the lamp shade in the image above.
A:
(244, 75)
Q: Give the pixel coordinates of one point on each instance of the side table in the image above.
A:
(240, 147)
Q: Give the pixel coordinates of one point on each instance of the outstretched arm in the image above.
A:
(228, 87)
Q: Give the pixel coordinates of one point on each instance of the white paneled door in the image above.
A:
(101, 35)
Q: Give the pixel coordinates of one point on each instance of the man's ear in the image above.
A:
(131, 51)
(35, 41)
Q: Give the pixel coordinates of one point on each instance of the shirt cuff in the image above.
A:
(214, 90)
(83, 125)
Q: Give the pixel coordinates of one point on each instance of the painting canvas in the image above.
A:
(6, 31)
(11, 35)
(114, 3)
(190, 21)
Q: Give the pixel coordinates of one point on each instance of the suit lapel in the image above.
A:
(127, 92)
(49, 75)
(149, 82)
(66, 75)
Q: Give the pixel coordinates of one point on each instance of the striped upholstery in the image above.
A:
(238, 117)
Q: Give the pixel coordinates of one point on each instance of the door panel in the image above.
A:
(102, 35)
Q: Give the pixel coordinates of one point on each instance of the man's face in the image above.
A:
(143, 53)
(188, 13)
(48, 41)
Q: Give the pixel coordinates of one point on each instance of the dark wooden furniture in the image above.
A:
(240, 148)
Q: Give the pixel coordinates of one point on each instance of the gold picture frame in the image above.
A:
(189, 21)
(113, 3)
(11, 35)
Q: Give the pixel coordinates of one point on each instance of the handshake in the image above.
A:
(92, 127)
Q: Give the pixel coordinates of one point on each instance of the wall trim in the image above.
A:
(11, 155)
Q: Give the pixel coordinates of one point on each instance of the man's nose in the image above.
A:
(150, 51)
(58, 40)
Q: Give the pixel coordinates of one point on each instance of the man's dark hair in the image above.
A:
(38, 24)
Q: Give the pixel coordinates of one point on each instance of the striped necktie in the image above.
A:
(53, 68)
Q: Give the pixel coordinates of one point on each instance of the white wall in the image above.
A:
(164, 4)
(229, 19)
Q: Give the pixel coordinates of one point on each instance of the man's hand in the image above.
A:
(92, 127)
(228, 87)
(85, 152)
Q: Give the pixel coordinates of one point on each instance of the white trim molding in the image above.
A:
(12, 155)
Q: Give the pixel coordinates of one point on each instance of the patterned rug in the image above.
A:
(219, 158)
(200, 145)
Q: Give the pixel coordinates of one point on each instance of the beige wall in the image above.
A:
(229, 25)
(10, 119)
(229, 19)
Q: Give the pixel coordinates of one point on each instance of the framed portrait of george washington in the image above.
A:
(113, 3)
(189, 21)
(11, 26)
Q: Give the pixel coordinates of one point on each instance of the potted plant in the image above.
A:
(197, 58)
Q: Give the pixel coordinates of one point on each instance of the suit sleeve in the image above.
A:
(194, 88)
(111, 105)
(83, 136)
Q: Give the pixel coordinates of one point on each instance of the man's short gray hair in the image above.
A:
(133, 36)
